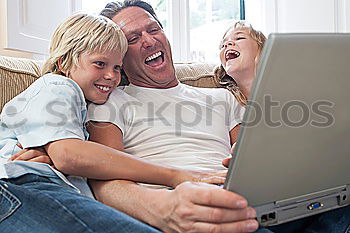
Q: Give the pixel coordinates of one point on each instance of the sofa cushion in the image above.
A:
(196, 74)
(16, 74)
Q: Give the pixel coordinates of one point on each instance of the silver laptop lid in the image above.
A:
(296, 135)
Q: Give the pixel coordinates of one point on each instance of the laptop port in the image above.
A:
(343, 200)
(268, 217)
(264, 218)
(314, 206)
(272, 216)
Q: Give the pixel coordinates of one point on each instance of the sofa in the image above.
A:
(16, 74)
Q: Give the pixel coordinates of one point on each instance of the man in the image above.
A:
(149, 67)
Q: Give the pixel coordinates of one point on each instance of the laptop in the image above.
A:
(293, 150)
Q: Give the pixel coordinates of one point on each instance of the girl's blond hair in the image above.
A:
(82, 33)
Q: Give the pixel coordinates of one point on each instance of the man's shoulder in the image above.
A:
(211, 94)
(207, 91)
(120, 95)
(120, 91)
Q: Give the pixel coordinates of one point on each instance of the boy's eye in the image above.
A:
(117, 68)
(100, 64)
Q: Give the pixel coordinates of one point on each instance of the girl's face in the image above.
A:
(97, 74)
(238, 51)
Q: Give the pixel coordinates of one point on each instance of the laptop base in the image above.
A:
(288, 210)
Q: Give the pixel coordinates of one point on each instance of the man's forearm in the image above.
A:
(190, 207)
(135, 200)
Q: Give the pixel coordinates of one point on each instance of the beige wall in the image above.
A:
(3, 33)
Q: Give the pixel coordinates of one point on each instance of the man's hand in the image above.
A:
(37, 154)
(226, 162)
(200, 207)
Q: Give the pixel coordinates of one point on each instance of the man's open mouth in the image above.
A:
(231, 54)
(155, 59)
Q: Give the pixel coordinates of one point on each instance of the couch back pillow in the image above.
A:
(16, 74)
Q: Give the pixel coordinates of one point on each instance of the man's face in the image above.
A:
(148, 61)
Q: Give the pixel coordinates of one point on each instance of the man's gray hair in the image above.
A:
(113, 8)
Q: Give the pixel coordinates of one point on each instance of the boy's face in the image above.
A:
(97, 74)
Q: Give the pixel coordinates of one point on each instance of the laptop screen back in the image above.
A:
(295, 138)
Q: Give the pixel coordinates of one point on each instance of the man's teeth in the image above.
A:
(103, 88)
(153, 56)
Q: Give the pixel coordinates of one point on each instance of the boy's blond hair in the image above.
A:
(82, 33)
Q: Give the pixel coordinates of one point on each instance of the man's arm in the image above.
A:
(190, 207)
(234, 134)
(233, 138)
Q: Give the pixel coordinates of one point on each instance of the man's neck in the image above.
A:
(171, 84)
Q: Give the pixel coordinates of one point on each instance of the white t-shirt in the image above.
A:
(183, 126)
